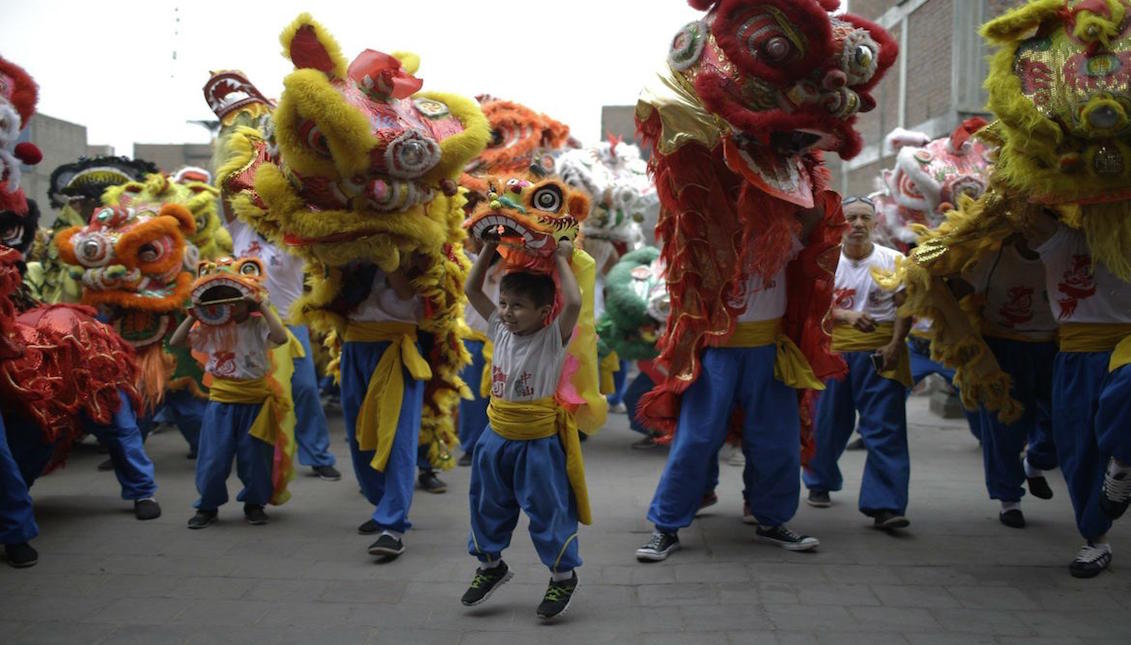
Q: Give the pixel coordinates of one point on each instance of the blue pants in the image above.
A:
(770, 439)
(390, 492)
(922, 366)
(224, 436)
(1091, 408)
(507, 476)
(473, 413)
(620, 378)
(881, 403)
(640, 386)
(121, 437)
(17, 518)
(311, 432)
(183, 410)
(1030, 365)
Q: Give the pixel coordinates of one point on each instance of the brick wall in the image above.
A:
(930, 31)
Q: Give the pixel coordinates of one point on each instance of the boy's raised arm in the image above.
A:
(278, 334)
(180, 336)
(474, 287)
(571, 293)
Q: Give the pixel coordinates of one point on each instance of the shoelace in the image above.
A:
(656, 542)
(480, 580)
(1089, 553)
(1117, 489)
(786, 534)
(556, 592)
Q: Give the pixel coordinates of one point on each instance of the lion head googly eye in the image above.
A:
(250, 268)
(547, 198)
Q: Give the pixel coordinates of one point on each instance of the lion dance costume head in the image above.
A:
(738, 118)
(356, 165)
(928, 179)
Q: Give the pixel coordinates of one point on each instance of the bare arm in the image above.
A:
(474, 287)
(180, 336)
(890, 352)
(571, 293)
(809, 218)
(857, 319)
(278, 334)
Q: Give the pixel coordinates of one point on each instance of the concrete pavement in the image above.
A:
(956, 576)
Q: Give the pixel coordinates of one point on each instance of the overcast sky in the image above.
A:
(109, 64)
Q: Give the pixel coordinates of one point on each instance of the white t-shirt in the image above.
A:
(246, 360)
(1080, 292)
(765, 300)
(856, 290)
(491, 289)
(284, 271)
(384, 305)
(1014, 287)
(525, 368)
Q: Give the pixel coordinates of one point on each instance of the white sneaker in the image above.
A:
(737, 458)
(1090, 561)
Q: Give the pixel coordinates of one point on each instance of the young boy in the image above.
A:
(529, 456)
(239, 365)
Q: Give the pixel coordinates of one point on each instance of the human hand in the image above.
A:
(890, 354)
(863, 322)
(564, 249)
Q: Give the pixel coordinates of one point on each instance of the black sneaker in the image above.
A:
(786, 539)
(106, 465)
(387, 545)
(819, 499)
(659, 546)
(855, 444)
(369, 527)
(890, 520)
(430, 483)
(202, 519)
(557, 598)
(464, 459)
(1039, 487)
(1013, 518)
(485, 582)
(254, 514)
(710, 499)
(327, 473)
(748, 515)
(21, 556)
(1116, 494)
(1090, 561)
(147, 509)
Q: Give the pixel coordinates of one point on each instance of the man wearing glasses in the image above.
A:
(871, 337)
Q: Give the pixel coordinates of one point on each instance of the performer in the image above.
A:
(529, 457)
(738, 121)
(872, 339)
(284, 280)
(1020, 330)
(244, 409)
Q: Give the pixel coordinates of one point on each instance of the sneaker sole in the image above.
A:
(655, 556)
(1086, 573)
(501, 582)
(435, 491)
(22, 565)
(202, 526)
(327, 478)
(256, 522)
(750, 520)
(389, 553)
(563, 611)
(789, 546)
(818, 503)
(894, 523)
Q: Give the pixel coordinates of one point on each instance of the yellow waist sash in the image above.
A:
(267, 422)
(849, 339)
(1099, 337)
(608, 366)
(790, 365)
(530, 420)
(381, 407)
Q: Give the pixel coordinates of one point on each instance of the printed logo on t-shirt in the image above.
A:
(523, 385)
(844, 298)
(876, 299)
(225, 364)
(253, 249)
(1079, 283)
(1018, 308)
